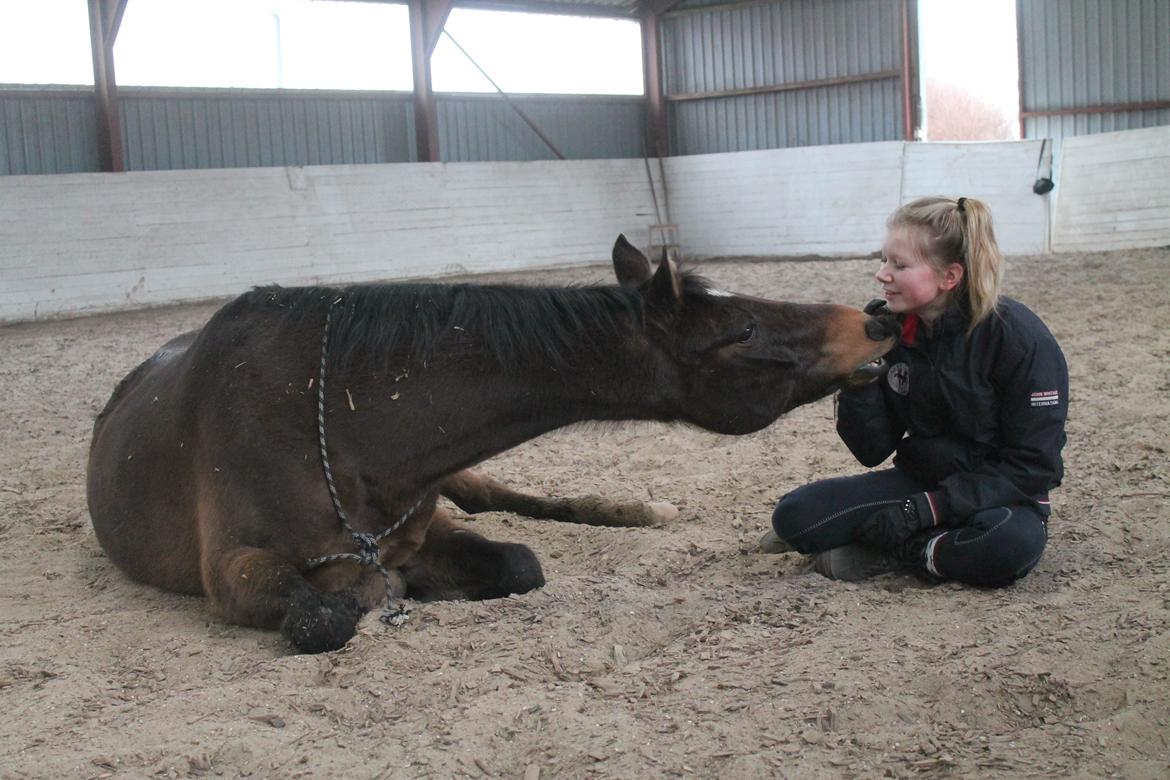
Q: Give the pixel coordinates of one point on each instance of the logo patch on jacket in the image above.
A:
(1046, 398)
(899, 378)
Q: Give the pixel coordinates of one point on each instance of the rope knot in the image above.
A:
(368, 552)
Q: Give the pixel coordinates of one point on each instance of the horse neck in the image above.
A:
(465, 406)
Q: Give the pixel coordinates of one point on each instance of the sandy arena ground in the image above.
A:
(658, 652)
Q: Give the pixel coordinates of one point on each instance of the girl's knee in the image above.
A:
(1013, 551)
(1023, 551)
(793, 516)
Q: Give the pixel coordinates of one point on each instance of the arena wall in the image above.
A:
(92, 242)
(1114, 191)
(834, 200)
(78, 243)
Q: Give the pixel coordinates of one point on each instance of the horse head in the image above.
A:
(734, 363)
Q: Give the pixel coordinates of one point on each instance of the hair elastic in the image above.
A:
(962, 204)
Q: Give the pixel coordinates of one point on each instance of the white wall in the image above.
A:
(828, 200)
(1000, 174)
(91, 242)
(834, 200)
(1113, 191)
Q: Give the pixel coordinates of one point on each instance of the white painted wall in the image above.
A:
(834, 200)
(92, 242)
(999, 174)
(827, 200)
(1113, 191)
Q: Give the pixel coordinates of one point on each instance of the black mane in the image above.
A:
(387, 325)
(384, 325)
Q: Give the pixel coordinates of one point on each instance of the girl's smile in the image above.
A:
(910, 284)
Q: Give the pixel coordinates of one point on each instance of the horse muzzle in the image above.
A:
(866, 373)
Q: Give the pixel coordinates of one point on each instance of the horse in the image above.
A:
(247, 460)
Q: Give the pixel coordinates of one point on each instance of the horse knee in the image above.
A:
(317, 622)
(249, 586)
(497, 569)
(520, 570)
(464, 564)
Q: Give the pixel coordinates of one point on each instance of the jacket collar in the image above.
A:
(954, 320)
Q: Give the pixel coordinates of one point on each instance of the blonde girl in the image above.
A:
(973, 409)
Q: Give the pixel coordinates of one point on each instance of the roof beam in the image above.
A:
(658, 7)
(114, 20)
(435, 19)
(555, 8)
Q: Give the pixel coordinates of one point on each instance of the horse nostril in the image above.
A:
(882, 327)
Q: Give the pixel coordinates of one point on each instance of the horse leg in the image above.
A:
(455, 563)
(253, 587)
(474, 493)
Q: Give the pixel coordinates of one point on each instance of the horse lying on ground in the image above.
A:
(246, 460)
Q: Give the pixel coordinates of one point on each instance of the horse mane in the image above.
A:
(383, 324)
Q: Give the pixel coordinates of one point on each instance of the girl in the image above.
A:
(973, 405)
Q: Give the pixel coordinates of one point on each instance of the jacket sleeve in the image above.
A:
(1031, 381)
(867, 425)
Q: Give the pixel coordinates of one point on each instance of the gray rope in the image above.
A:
(369, 553)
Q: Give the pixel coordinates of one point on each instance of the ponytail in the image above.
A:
(958, 231)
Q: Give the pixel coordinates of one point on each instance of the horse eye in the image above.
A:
(748, 334)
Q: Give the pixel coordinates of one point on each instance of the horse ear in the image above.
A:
(630, 265)
(666, 286)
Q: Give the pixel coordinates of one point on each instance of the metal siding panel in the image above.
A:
(483, 127)
(773, 44)
(1078, 53)
(47, 130)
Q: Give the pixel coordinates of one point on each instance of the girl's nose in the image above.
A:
(883, 274)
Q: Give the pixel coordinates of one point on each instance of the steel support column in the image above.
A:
(105, 16)
(909, 68)
(657, 139)
(427, 18)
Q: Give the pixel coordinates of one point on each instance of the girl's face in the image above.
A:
(910, 284)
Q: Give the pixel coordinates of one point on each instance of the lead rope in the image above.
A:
(368, 554)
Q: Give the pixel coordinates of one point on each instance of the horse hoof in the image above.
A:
(317, 622)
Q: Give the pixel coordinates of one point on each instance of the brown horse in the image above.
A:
(205, 470)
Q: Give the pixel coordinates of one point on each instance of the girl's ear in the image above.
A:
(951, 276)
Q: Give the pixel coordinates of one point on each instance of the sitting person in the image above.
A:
(974, 404)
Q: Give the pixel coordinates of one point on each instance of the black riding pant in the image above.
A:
(992, 548)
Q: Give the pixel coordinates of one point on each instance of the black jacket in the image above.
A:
(983, 413)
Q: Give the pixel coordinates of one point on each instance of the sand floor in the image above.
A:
(651, 652)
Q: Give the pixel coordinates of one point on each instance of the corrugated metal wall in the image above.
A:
(782, 47)
(53, 130)
(478, 127)
(1089, 55)
(48, 130)
(165, 130)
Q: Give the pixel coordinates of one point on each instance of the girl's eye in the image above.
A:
(748, 334)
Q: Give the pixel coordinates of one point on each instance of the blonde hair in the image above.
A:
(958, 231)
